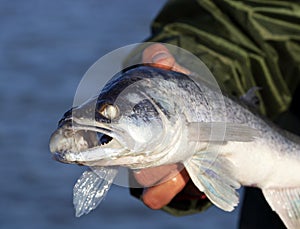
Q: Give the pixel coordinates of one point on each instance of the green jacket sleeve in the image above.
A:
(244, 44)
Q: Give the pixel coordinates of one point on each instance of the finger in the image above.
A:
(151, 176)
(160, 56)
(179, 68)
(158, 196)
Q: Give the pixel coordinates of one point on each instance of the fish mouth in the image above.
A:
(104, 138)
(61, 157)
(77, 144)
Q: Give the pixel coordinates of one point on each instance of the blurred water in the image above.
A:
(45, 48)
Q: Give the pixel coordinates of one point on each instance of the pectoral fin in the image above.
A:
(212, 175)
(91, 188)
(219, 131)
(286, 203)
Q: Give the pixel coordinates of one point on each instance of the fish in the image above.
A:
(147, 116)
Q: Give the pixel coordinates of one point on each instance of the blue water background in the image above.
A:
(45, 48)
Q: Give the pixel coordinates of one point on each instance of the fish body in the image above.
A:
(147, 117)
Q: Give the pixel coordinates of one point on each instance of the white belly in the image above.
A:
(258, 165)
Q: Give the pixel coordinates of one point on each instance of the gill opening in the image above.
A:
(166, 141)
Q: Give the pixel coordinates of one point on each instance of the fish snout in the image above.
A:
(62, 141)
(54, 141)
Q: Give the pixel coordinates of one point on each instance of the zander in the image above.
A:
(147, 117)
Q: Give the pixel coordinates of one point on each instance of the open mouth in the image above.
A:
(75, 142)
(88, 139)
(67, 145)
(103, 138)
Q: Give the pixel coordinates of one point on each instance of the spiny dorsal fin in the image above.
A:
(250, 98)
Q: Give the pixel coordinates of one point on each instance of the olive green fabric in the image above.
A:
(244, 44)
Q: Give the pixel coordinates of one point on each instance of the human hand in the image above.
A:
(164, 182)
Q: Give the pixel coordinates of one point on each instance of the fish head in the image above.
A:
(132, 121)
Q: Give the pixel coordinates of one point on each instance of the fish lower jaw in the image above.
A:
(72, 157)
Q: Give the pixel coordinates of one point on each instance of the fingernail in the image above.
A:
(160, 56)
(137, 171)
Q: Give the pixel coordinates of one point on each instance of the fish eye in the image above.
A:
(109, 111)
